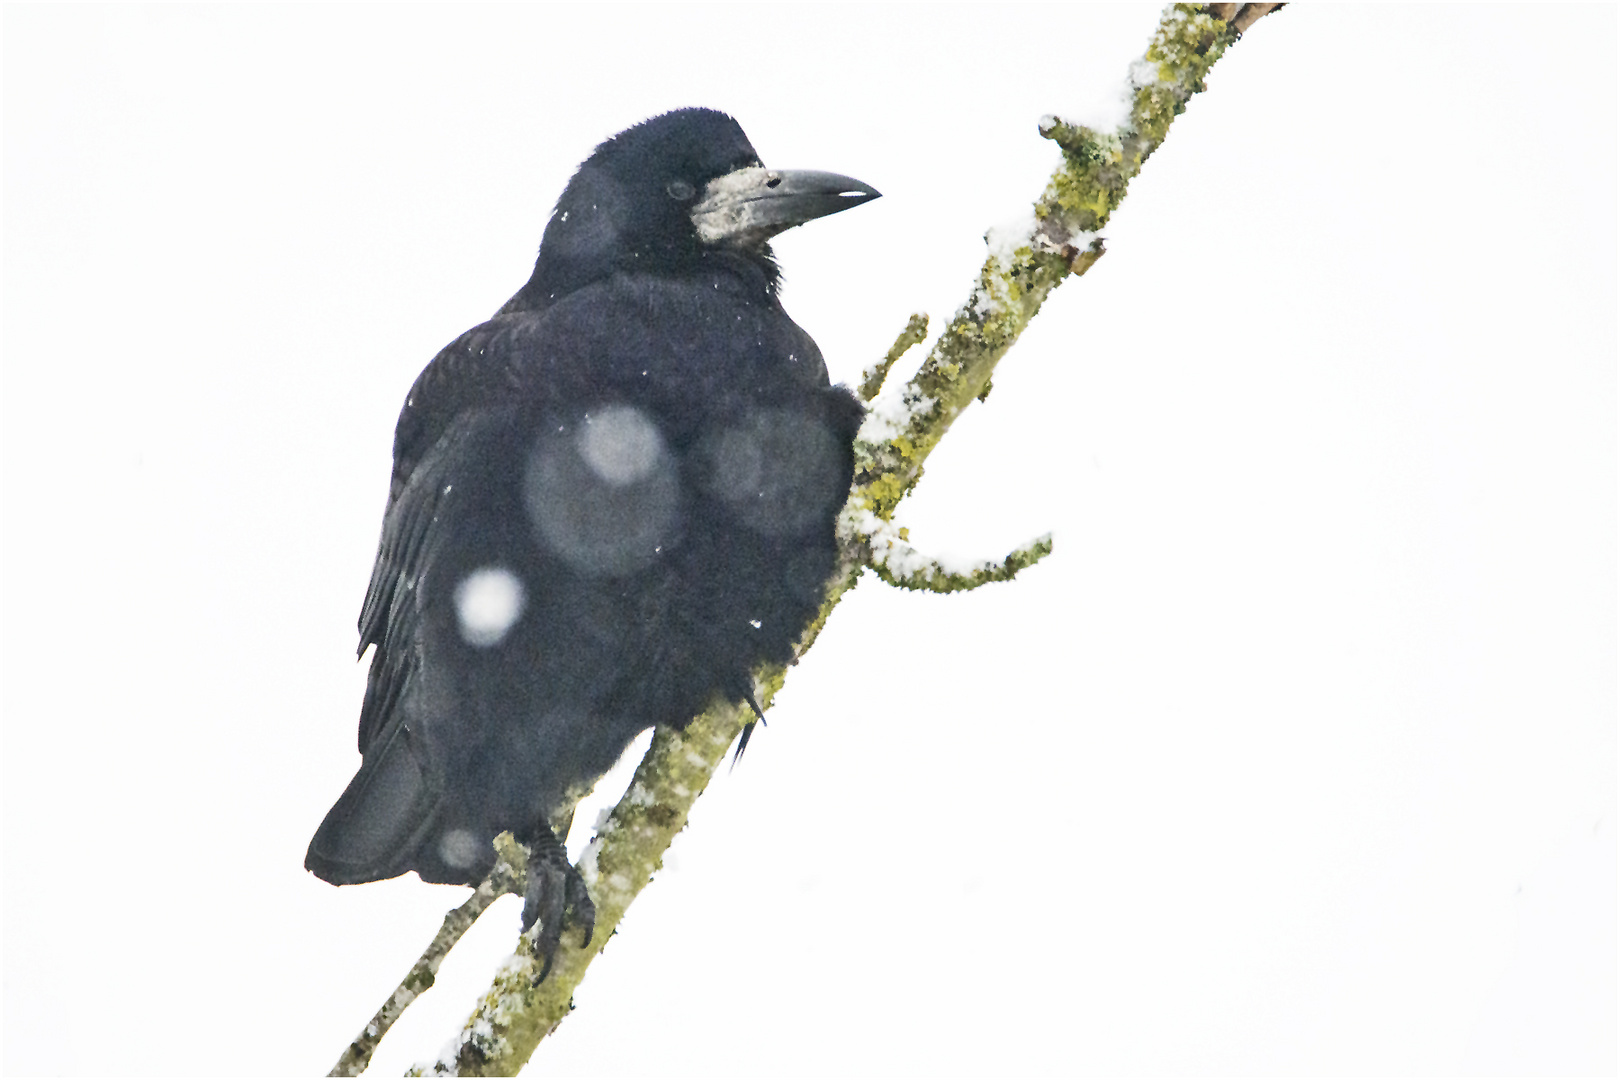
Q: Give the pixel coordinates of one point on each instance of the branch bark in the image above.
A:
(508, 876)
(1025, 263)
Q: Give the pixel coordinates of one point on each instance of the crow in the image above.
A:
(609, 504)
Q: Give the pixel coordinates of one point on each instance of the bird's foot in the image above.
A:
(555, 891)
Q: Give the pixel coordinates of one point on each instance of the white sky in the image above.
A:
(1298, 755)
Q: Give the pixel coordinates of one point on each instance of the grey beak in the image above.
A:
(749, 206)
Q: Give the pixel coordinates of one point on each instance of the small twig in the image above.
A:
(502, 880)
(903, 566)
(872, 378)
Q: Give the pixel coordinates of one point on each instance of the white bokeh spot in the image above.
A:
(488, 602)
(620, 444)
(459, 848)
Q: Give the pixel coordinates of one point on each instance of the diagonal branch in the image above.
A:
(508, 876)
(1026, 262)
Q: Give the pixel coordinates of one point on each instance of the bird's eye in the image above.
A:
(679, 189)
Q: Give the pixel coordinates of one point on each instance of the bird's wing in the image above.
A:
(390, 614)
(394, 807)
(434, 422)
(470, 371)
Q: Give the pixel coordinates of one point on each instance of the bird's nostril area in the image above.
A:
(773, 181)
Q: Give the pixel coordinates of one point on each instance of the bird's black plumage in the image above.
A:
(609, 503)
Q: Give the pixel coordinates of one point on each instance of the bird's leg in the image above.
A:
(554, 888)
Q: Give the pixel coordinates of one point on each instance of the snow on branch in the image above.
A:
(889, 553)
(905, 567)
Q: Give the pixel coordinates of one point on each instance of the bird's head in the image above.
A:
(663, 195)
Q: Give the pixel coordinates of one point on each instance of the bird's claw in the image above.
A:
(555, 891)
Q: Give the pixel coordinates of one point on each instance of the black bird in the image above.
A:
(609, 503)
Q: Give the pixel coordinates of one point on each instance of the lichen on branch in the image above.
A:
(904, 567)
(872, 377)
(516, 1012)
(1028, 261)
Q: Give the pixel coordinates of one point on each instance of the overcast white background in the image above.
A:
(1297, 755)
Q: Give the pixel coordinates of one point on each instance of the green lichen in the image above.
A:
(1081, 195)
(872, 382)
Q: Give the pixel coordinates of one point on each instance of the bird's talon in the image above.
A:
(556, 897)
(545, 967)
(581, 907)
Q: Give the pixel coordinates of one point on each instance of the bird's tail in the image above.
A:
(379, 823)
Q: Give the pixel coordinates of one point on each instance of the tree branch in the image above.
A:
(517, 1012)
(1058, 239)
(895, 561)
(508, 876)
(1030, 259)
(872, 378)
